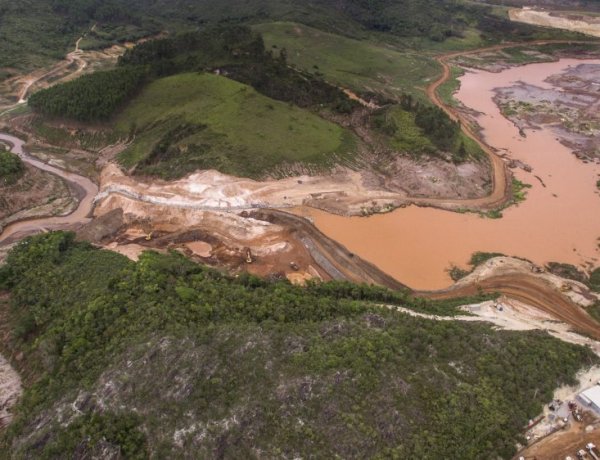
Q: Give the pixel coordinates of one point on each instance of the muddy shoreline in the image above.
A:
(418, 245)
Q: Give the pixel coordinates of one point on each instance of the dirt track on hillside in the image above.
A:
(530, 290)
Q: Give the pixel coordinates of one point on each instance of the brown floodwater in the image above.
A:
(85, 187)
(559, 222)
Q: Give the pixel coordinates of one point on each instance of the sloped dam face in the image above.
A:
(559, 221)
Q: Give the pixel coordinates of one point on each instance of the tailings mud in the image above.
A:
(558, 222)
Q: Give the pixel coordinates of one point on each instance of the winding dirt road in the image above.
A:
(530, 290)
(340, 263)
(501, 178)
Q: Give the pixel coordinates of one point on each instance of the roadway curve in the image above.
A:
(531, 290)
(339, 263)
(501, 178)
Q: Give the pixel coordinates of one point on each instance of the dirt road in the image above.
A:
(336, 259)
(501, 178)
(530, 290)
(331, 256)
(58, 72)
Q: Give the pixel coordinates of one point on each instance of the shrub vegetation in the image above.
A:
(11, 168)
(163, 356)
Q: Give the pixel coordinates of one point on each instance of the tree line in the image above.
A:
(93, 97)
(240, 54)
(234, 51)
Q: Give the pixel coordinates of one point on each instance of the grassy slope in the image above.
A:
(366, 66)
(357, 64)
(410, 138)
(248, 133)
(241, 366)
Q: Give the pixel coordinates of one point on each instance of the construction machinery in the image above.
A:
(565, 287)
(591, 448)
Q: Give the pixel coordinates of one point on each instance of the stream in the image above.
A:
(86, 189)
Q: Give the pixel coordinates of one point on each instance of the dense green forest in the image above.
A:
(164, 357)
(92, 97)
(11, 167)
(34, 32)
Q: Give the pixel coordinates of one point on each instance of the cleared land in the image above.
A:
(576, 22)
(232, 128)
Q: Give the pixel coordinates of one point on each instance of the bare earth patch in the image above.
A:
(10, 390)
(580, 22)
(344, 191)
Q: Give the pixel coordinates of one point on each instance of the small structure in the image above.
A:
(591, 397)
(592, 450)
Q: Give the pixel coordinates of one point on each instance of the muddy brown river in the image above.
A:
(559, 222)
(85, 187)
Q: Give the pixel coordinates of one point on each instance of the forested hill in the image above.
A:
(35, 31)
(235, 51)
(164, 358)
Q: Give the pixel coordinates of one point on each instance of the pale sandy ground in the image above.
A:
(200, 248)
(211, 190)
(131, 251)
(263, 238)
(10, 390)
(576, 291)
(511, 315)
(343, 191)
(586, 25)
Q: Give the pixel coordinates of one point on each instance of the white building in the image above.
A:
(591, 398)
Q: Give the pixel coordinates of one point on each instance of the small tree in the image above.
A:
(11, 168)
